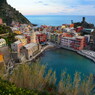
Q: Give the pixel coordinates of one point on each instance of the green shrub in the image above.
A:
(7, 88)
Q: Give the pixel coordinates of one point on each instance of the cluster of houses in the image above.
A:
(69, 37)
(26, 45)
(30, 40)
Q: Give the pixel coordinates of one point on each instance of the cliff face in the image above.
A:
(9, 14)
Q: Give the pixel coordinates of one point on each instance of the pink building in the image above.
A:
(16, 46)
(77, 43)
(1, 21)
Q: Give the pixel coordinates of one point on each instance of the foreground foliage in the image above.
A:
(7, 88)
(34, 78)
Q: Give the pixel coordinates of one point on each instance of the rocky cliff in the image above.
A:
(9, 14)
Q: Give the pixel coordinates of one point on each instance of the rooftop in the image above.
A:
(17, 42)
(1, 40)
(37, 33)
(19, 36)
(73, 38)
(29, 46)
(80, 37)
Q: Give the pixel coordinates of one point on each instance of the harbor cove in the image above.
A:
(62, 60)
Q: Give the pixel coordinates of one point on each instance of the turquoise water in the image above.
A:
(56, 20)
(61, 60)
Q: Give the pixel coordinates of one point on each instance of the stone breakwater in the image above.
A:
(86, 53)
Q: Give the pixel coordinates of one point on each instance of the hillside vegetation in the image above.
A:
(9, 14)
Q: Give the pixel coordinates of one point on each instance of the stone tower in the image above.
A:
(33, 37)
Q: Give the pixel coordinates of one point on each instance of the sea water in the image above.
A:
(57, 20)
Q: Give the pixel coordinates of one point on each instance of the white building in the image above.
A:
(67, 41)
(2, 42)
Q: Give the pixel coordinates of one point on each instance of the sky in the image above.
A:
(54, 7)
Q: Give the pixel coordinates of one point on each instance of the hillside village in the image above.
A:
(28, 41)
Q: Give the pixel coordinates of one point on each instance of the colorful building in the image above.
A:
(67, 41)
(55, 37)
(1, 58)
(16, 50)
(71, 25)
(87, 30)
(63, 26)
(41, 38)
(33, 37)
(77, 43)
(67, 35)
(16, 46)
(2, 42)
(17, 32)
(79, 29)
(87, 38)
(59, 38)
(28, 37)
(52, 37)
(22, 39)
(31, 50)
(1, 21)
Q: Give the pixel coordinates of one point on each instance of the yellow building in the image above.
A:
(63, 26)
(22, 39)
(2, 42)
(17, 32)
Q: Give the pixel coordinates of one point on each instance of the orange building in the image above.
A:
(1, 58)
(71, 25)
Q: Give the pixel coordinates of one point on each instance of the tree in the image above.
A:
(3, 2)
